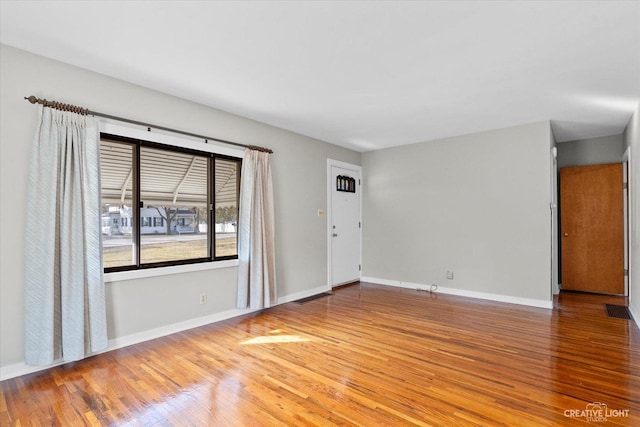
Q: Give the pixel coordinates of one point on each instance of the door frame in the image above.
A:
(628, 220)
(617, 220)
(356, 168)
(555, 265)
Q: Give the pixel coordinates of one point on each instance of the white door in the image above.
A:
(344, 224)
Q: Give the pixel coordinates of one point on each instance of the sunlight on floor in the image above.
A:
(275, 339)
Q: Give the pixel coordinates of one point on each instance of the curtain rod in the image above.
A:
(85, 111)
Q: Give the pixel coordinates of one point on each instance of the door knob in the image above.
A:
(566, 234)
(335, 234)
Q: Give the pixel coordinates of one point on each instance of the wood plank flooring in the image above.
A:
(367, 355)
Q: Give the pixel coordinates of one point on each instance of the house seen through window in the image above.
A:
(174, 194)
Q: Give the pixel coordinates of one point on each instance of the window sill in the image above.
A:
(165, 271)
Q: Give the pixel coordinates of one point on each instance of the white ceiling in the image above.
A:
(364, 75)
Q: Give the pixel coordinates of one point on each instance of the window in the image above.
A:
(178, 192)
(226, 212)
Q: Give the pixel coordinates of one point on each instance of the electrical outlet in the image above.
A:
(203, 298)
(450, 275)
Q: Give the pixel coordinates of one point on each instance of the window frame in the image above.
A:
(137, 143)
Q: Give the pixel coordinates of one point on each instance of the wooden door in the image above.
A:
(591, 221)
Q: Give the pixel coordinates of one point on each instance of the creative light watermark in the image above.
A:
(596, 412)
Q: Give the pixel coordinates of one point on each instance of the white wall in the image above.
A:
(136, 307)
(478, 205)
(632, 139)
(592, 151)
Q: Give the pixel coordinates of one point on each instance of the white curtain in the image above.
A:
(65, 314)
(256, 257)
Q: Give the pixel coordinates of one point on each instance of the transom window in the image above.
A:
(159, 201)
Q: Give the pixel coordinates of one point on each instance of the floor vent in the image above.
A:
(311, 298)
(618, 311)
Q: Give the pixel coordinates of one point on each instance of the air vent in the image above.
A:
(618, 311)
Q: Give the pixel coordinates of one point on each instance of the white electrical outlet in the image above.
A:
(203, 298)
(450, 275)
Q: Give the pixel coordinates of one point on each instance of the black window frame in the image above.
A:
(211, 202)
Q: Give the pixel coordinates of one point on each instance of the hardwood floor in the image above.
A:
(367, 355)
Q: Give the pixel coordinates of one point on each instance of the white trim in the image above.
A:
(356, 168)
(303, 294)
(173, 328)
(636, 316)
(154, 135)
(555, 288)
(19, 369)
(343, 165)
(464, 293)
(165, 271)
(629, 222)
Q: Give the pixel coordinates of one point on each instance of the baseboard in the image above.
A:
(304, 294)
(345, 285)
(175, 327)
(19, 369)
(635, 315)
(463, 293)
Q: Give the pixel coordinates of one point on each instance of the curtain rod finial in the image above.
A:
(32, 99)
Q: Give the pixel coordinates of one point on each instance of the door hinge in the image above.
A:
(625, 186)
(359, 224)
(358, 181)
(359, 267)
(626, 271)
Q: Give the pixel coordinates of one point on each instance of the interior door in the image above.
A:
(345, 225)
(591, 221)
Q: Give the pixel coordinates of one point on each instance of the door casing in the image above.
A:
(626, 174)
(330, 187)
